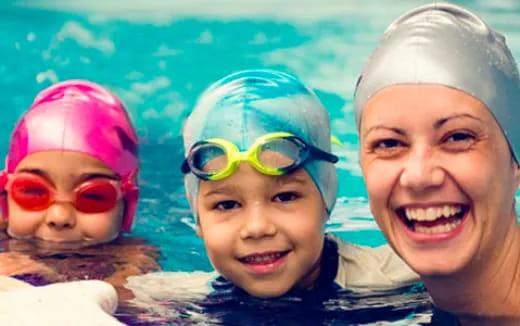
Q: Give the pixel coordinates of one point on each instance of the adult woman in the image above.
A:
(436, 108)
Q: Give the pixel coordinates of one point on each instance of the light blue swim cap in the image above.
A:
(447, 45)
(246, 105)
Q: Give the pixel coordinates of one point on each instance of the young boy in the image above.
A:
(261, 181)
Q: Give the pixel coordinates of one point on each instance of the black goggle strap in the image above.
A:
(318, 154)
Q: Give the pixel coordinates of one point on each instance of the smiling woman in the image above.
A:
(439, 150)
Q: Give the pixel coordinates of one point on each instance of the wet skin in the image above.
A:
(61, 221)
(263, 233)
(442, 181)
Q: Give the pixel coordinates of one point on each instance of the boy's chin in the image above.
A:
(265, 291)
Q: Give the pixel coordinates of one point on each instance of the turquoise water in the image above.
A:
(159, 55)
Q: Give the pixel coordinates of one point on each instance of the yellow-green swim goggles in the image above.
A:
(275, 153)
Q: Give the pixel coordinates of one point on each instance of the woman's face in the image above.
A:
(440, 177)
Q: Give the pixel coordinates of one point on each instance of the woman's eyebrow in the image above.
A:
(383, 127)
(439, 123)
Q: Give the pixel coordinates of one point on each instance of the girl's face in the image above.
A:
(65, 172)
(440, 177)
(263, 233)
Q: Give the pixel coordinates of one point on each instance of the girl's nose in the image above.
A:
(61, 215)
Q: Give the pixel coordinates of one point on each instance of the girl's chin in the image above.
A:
(58, 242)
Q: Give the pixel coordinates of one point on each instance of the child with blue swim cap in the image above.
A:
(261, 181)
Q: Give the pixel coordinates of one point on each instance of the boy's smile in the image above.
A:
(264, 262)
(263, 233)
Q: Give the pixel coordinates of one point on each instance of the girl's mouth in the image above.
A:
(433, 220)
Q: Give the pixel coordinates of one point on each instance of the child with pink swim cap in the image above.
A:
(70, 181)
(71, 169)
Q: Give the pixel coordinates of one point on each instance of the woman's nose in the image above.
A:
(422, 170)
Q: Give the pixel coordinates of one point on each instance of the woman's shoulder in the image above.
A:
(371, 267)
(171, 284)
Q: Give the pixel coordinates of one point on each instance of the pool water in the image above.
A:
(159, 55)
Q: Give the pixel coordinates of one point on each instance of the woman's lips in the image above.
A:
(433, 223)
(265, 262)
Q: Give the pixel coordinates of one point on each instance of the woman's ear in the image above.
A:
(517, 174)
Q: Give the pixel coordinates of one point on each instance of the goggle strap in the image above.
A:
(319, 154)
(185, 168)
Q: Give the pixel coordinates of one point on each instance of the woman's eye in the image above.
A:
(285, 196)
(459, 141)
(226, 205)
(386, 147)
(387, 143)
(460, 136)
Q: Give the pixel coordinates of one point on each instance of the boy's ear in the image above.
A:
(198, 230)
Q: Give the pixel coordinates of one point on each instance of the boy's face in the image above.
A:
(64, 172)
(263, 233)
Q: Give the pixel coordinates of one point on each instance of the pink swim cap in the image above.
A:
(80, 116)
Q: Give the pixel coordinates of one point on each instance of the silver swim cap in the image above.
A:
(447, 45)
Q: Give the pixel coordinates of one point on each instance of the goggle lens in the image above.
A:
(96, 197)
(30, 193)
(93, 197)
(280, 153)
(209, 158)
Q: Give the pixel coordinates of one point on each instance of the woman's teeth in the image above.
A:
(432, 213)
(437, 229)
(433, 220)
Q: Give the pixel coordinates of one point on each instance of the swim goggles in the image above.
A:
(33, 193)
(272, 154)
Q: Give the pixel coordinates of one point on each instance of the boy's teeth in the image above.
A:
(437, 229)
(431, 213)
(262, 258)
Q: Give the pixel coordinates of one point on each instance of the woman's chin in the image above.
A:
(434, 269)
(438, 263)
(437, 254)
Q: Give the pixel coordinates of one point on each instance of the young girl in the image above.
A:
(71, 169)
(70, 181)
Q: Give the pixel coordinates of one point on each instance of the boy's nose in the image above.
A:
(61, 216)
(257, 224)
